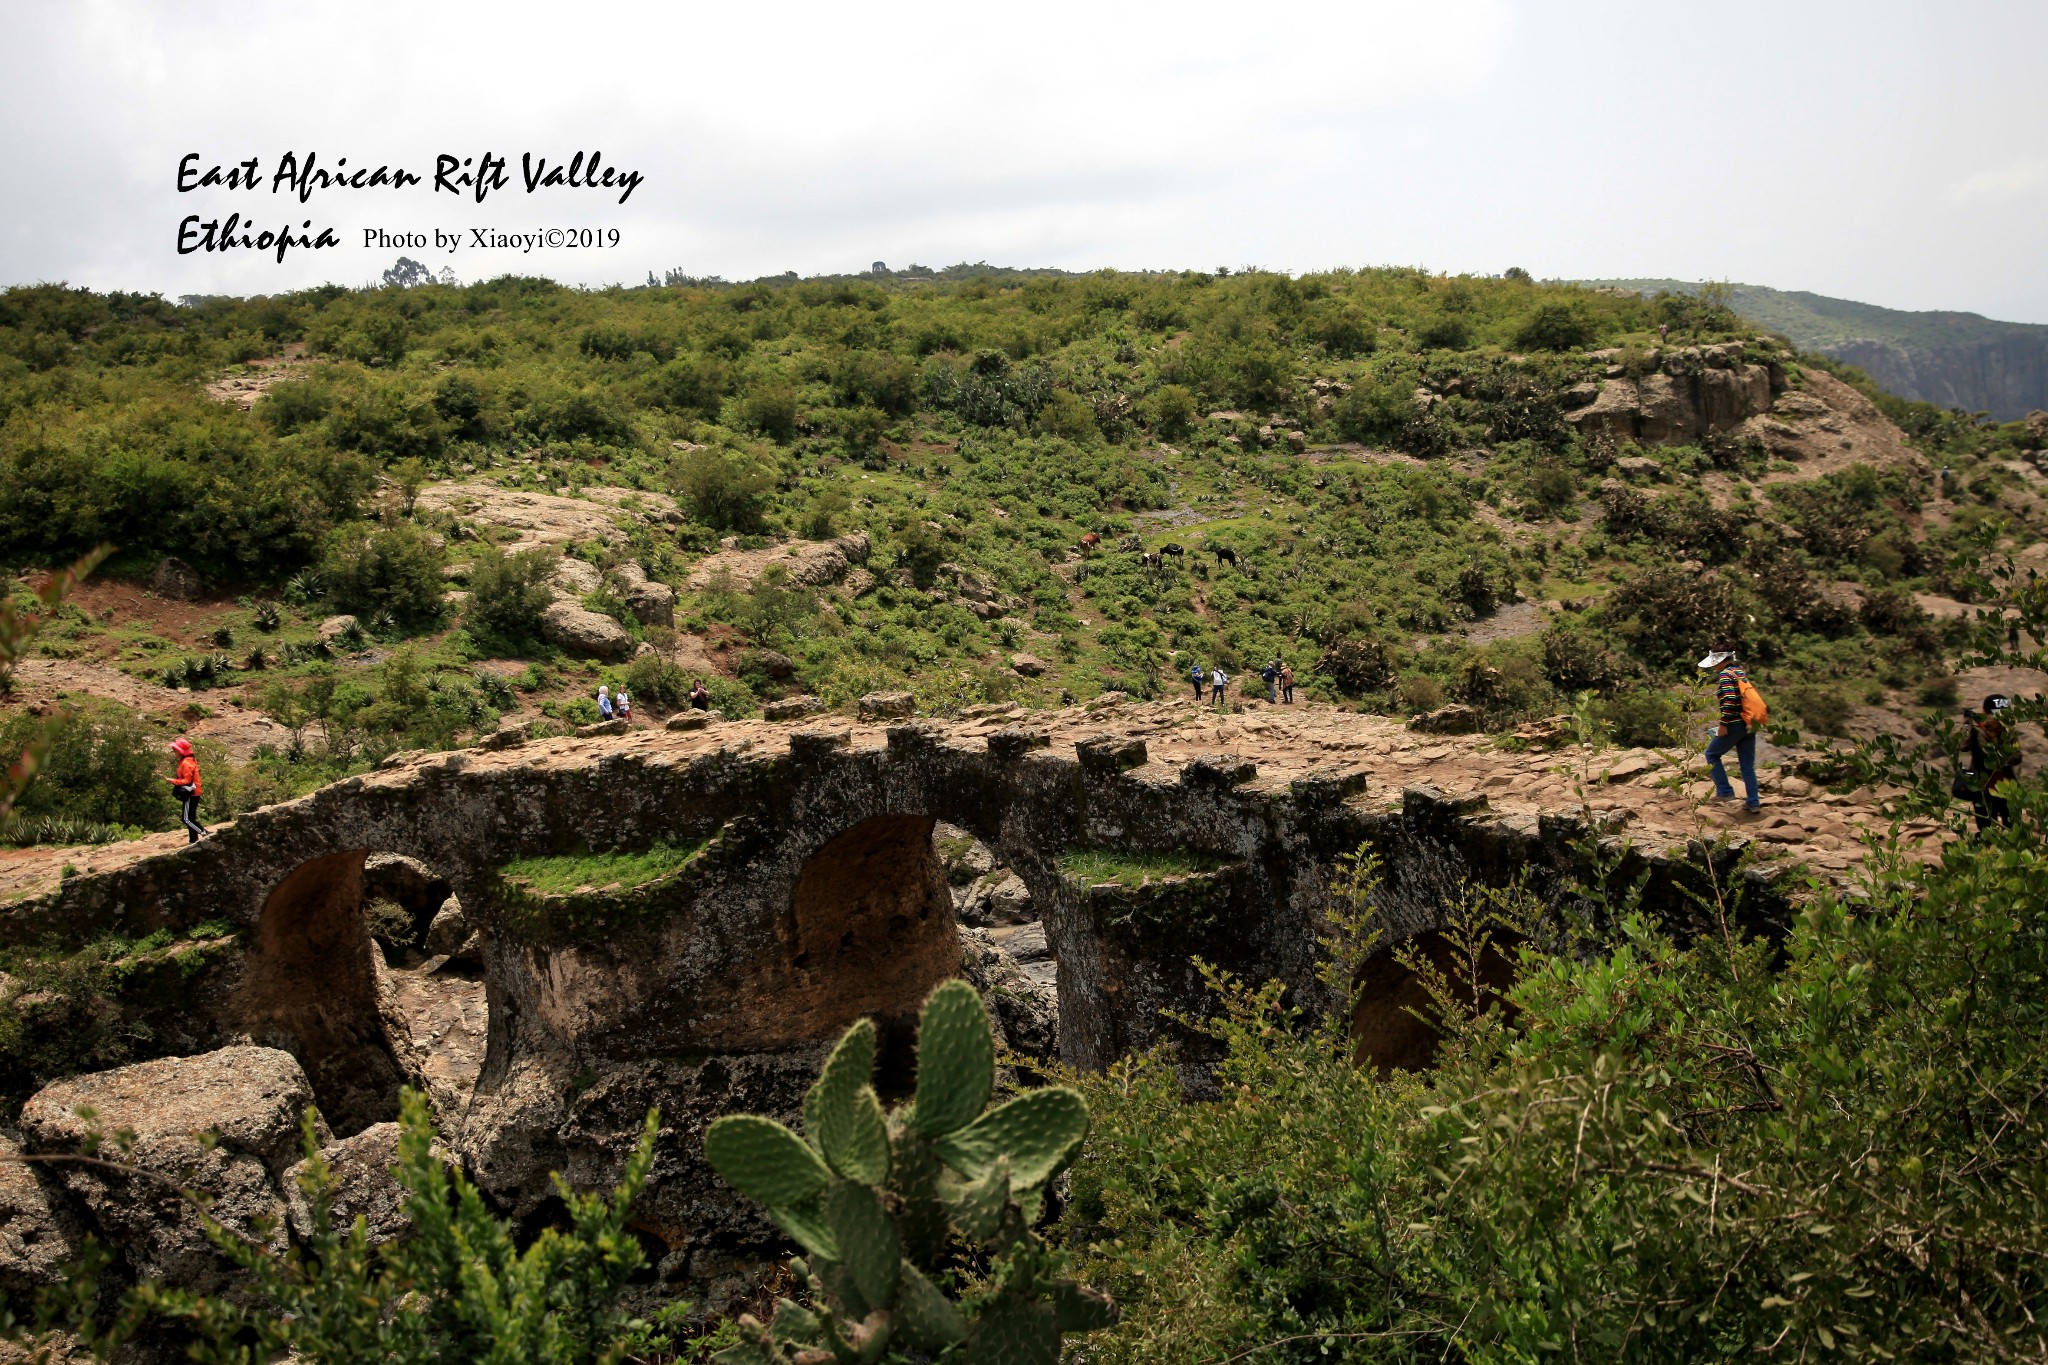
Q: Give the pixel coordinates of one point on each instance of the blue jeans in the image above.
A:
(1743, 743)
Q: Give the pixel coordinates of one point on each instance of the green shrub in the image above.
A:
(1172, 412)
(1643, 719)
(1444, 332)
(1660, 1152)
(367, 568)
(1067, 414)
(507, 594)
(461, 1285)
(769, 407)
(658, 683)
(1556, 327)
(722, 490)
(1823, 710)
(103, 765)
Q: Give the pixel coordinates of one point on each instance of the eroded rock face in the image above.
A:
(249, 1100)
(652, 603)
(177, 580)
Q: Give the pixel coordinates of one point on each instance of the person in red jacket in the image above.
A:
(185, 786)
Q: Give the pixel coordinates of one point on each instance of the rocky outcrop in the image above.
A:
(574, 628)
(224, 1125)
(1692, 392)
(547, 520)
(2004, 376)
(802, 563)
(575, 578)
(652, 603)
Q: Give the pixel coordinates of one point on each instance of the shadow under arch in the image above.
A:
(870, 929)
(311, 989)
(1392, 1023)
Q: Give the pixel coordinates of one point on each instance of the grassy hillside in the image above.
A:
(1385, 453)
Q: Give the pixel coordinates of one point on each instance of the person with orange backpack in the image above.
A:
(185, 786)
(1743, 713)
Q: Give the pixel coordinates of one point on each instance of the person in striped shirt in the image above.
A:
(1732, 732)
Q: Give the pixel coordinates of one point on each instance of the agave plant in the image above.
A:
(303, 587)
(267, 618)
(884, 1204)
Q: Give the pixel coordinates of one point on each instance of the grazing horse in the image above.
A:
(1151, 561)
(1225, 555)
(1169, 548)
(1090, 541)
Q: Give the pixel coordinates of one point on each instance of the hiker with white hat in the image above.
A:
(1742, 714)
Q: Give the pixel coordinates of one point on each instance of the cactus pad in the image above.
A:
(927, 1318)
(867, 1240)
(956, 1060)
(1015, 1331)
(764, 1161)
(977, 1205)
(842, 1116)
(1038, 1131)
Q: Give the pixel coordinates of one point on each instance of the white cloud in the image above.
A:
(2016, 180)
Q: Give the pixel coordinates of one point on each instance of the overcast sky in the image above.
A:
(1892, 153)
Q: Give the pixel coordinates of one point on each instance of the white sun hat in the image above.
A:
(1716, 658)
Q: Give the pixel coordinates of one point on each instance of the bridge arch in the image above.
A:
(311, 989)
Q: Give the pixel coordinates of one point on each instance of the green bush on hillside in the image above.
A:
(507, 594)
(368, 568)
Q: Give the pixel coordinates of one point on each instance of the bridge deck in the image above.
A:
(1662, 803)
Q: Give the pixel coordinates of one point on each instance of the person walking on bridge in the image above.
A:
(1742, 714)
(185, 786)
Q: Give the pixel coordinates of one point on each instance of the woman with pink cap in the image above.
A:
(185, 786)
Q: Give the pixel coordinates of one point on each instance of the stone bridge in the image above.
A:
(816, 896)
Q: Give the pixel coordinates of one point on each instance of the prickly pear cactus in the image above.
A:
(878, 1200)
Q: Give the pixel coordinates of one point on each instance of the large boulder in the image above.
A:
(575, 628)
(887, 706)
(362, 1185)
(39, 1236)
(652, 603)
(176, 579)
(1024, 1011)
(224, 1125)
(449, 931)
(998, 898)
(576, 577)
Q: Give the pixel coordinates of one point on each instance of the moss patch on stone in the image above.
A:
(570, 873)
(1095, 866)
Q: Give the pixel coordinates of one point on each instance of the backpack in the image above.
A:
(1754, 712)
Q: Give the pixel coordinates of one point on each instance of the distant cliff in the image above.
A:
(1958, 360)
